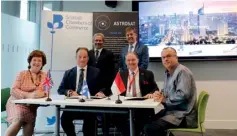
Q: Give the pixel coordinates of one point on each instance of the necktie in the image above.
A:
(96, 54)
(131, 48)
(81, 77)
(134, 85)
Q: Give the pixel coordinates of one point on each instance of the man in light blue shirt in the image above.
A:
(178, 97)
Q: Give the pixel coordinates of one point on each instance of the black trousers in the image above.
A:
(89, 119)
(159, 127)
(141, 117)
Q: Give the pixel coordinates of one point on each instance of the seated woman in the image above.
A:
(28, 85)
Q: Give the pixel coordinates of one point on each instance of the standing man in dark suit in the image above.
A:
(102, 59)
(138, 83)
(71, 85)
(133, 46)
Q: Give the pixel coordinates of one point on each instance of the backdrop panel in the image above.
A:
(112, 25)
(61, 34)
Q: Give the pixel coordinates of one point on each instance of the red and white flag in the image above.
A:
(118, 85)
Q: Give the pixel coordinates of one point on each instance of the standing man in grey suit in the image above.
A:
(102, 59)
(179, 97)
(133, 46)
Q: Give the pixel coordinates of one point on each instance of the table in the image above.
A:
(95, 105)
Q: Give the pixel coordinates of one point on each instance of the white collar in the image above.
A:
(78, 68)
(98, 49)
(134, 44)
(130, 72)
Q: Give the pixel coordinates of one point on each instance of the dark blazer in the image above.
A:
(146, 81)
(143, 55)
(105, 64)
(69, 80)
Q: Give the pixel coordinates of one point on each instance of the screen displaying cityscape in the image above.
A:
(194, 28)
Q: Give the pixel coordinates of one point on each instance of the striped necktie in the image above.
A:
(81, 78)
(134, 85)
(96, 54)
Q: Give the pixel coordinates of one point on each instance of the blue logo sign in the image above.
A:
(51, 121)
(57, 22)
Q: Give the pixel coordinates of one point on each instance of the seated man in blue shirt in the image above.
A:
(178, 97)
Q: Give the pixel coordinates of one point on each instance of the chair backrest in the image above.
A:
(202, 104)
(5, 94)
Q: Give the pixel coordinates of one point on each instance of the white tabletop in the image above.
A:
(149, 103)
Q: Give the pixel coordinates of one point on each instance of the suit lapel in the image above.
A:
(141, 77)
(126, 50)
(136, 48)
(93, 55)
(102, 55)
(74, 77)
(88, 78)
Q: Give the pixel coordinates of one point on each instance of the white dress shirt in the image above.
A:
(129, 93)
(100, 50)
(78, 74)
(129, 47)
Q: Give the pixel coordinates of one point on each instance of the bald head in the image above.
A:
(169, 58)
(132, 61)
(171, 49)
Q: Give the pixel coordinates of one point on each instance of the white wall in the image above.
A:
(219, 79)
(95, 6)
(19, 38)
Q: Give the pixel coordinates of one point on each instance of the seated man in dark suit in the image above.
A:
(138, 83)
(102, 59)
(133, 46)
(71, 85)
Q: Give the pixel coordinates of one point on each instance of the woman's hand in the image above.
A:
(36, 94)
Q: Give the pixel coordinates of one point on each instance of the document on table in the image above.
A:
(79, 97)
(157, 109)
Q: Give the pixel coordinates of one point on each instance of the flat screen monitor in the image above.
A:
(196, 29)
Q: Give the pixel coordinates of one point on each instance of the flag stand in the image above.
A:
(118, 101)
(48, 98)
(108, 98)
(48, 84)
(81, 100)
